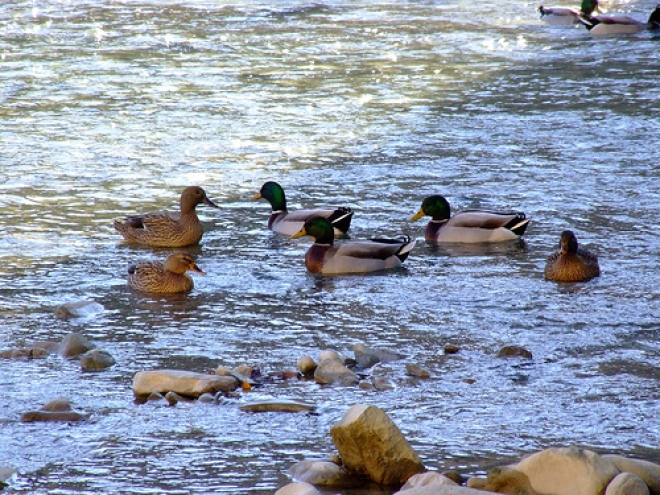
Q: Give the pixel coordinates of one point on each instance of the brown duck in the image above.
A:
(167, 228)
(163, 278)
(571, 263)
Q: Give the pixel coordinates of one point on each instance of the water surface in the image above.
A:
(110, 108)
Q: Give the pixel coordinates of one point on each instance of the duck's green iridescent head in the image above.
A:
(274, 193)
(588, 6)
(568, 243)
(435, 206)
(319, 228)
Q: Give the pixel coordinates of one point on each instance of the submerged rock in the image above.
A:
(6, 474)
(366, 357)
(514, 351)
(55, 410)
(416, 370)
(96, 360)
(78, 309)
(277, 406)
(74, 345)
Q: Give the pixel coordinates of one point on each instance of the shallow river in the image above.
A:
(113, 107)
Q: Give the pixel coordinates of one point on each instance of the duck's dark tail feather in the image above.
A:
(519, 224)
(341, 219)
(409, 243)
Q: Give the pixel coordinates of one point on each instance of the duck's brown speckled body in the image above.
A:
(167, 228)
(571, 263)
(163, 278)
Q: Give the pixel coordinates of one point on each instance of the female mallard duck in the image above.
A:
(168, 228)
(350, 256)
(620, 24)
(469, 226)
(163, 278)
(566, 15)
(284, 222)
(571, 263)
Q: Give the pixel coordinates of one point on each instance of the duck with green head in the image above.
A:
(353, 256)
(167, 228)
(163, 278)
(571, 263)
(285, 222)
(469, 226)
(567, 15)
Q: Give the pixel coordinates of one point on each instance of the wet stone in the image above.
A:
(416, 370)
(58, 409)
(277, 406)
(306, 365)
(514, 351)
(96, 360)
(74, 345)
(78, 309)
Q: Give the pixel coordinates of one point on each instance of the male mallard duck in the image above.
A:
(163, 278)
(469, 226)
(566, 15)
(284, 222)
(168, 228)
(571, 263)
(350, 256)
(619, 24)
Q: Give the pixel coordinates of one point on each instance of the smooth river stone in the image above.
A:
(186, 383)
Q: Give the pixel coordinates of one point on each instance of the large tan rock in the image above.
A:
(371, 446)
(187, 383)
(567, 471)
(647, 471)
(627, 484)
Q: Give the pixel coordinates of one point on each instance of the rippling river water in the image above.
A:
(113, 107)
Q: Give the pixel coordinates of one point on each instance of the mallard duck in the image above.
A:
(620, 24)
(284, 222)
(163, 278)
(168, 228)
(571, 263)
(567, 15)
(469, 226)
(355, 256)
